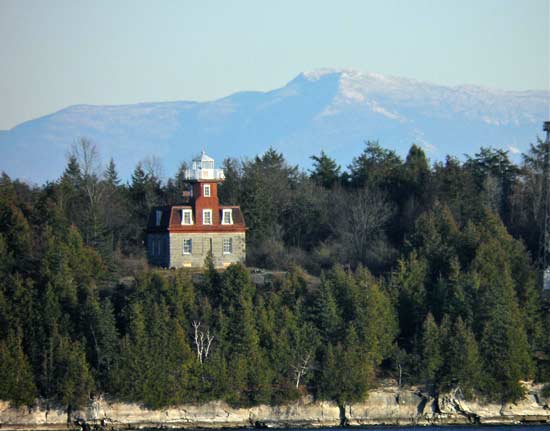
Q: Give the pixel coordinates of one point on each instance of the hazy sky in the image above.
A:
(59, 53)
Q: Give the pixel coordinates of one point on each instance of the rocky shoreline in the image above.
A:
(389, 405)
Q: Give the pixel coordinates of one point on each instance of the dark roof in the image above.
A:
(164, 220)
(237, 215)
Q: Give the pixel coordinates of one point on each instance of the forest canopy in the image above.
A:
(391, 267)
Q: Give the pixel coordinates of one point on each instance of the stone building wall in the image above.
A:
(201, 244)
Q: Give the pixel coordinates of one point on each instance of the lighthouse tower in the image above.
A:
(204, 179)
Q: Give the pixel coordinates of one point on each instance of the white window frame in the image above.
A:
(207, 190)
(227, 216)
(158, 216)
(183, 213)
(227, 246)
(190, 242)
(204, 212)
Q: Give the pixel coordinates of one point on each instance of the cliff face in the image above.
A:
(384, 406)
(391, 406)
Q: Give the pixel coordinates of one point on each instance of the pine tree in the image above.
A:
(230, 190)
(328, 375)
(72, 379)
(17, 238)
(16, 377)
(409, 286)
(139, 202)
(102, 334)
(376, 322)
(375, 168)
(503, 344)
(325, 172)
(323, 312)
(416, 166)
(461, 364)
(212, 286)
(431, 355)
(357, 370)
(236, 286)
(111, 174)
(70, 191)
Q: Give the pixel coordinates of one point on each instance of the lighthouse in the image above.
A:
(183, 235)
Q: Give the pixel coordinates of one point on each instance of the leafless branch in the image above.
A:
(203, 342)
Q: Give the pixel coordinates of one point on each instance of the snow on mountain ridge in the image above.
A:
(331, 109)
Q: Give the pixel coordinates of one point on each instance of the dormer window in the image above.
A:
(206, 192)
(186, 217)
(206, 216)
(158, 216)
(227, 216)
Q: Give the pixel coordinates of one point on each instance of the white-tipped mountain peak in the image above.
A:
(331, 109)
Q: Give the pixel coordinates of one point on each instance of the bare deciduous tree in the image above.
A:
(152, 166)
(302, 368)
(90, 165)
(203, 341)
(362, 223)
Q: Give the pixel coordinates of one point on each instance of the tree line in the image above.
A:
(421, 272)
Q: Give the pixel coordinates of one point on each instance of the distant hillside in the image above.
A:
(334, 110)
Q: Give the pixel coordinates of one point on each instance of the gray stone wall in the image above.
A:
(158, 242)
(202, 243)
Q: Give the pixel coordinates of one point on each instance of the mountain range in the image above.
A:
(331, 110)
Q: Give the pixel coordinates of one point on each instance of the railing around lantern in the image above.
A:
(204, 174)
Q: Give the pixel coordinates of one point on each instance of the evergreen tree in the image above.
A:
(504, 345)
(230, 190)
(376, 321)
(325, 172)
(416, 166)
(431, 350)
(72, 380)
(111, 174)
(410, 291)
(16, 377)
(461, 364)
(100, 327)
(376, 167)
(323, 312)
(70, 187)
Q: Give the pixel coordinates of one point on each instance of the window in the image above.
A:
(227, 245)
(158, 215)
(206, 216)
(227, 217)
(186, 217)
(159, 247)
(207, 190)
(152, 247)
(187, 246)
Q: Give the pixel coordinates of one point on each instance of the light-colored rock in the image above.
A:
(39, 417)
(217, 414)
(391, 406)
(388, 405)
(533, 408)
